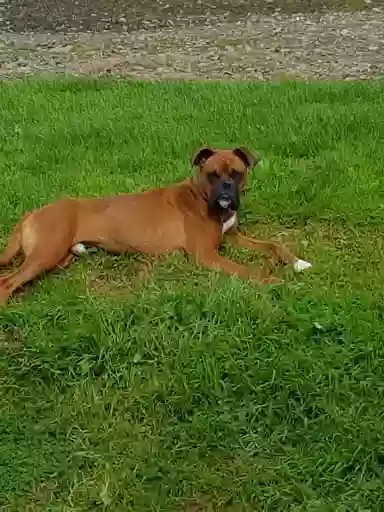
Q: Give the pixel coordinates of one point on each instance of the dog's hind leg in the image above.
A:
(14, 243)
(40, 260)
(13, 248)
(66, 261)
(45, 245)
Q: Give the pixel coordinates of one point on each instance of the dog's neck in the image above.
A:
(222, 216)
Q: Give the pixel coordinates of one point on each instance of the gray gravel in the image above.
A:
(131, 15)
(276, 45)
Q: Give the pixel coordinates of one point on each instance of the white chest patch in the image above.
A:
(229, 223)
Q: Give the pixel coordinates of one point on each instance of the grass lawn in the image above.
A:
(129, 384)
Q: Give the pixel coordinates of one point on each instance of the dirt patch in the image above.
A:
(208, 505)
(11, 339)
(116, 283)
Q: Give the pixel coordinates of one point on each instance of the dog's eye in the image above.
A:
(213, 175)
(236, 175)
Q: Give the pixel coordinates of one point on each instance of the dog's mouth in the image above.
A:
(224, 201)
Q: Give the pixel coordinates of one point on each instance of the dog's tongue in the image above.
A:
(224, 201)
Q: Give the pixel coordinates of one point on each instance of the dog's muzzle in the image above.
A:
(225, 195)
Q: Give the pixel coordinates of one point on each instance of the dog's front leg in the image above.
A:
(279, 252)
(215, 261)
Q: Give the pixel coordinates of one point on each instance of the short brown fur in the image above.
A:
(155, 222)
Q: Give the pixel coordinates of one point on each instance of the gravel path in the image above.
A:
(219, 40)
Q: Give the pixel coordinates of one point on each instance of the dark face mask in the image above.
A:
(224, 195)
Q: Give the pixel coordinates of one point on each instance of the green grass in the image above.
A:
(187, 387)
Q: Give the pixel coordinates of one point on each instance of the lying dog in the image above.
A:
(191, 216)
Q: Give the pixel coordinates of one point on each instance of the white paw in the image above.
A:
(301, 265)
(79, 249)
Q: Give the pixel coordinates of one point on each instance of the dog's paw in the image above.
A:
(80, 249)
(300, 265)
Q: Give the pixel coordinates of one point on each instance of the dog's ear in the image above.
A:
(249, 159)
(202, 155)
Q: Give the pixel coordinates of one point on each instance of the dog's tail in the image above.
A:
(14, 245)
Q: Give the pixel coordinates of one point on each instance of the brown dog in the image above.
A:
(191, 216)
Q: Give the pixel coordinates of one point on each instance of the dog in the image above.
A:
(190, 216)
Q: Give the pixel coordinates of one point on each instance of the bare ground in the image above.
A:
(240, 39)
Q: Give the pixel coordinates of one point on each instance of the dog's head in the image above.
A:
(221, 175)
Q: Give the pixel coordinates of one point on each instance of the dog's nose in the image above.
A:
(227, 185)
